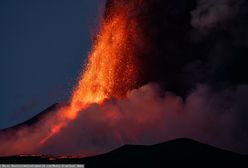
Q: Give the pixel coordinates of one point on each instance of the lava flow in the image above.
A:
(111, 69)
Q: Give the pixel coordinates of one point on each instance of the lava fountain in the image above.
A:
(112, 68)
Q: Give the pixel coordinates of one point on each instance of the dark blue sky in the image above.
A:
(43, 44)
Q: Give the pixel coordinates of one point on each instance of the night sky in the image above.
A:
(43, 45)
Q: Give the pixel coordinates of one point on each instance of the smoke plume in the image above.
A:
(211, 13)
(149, 116)
(146, 116)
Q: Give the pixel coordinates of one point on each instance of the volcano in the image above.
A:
(32, 121)
(158, 70)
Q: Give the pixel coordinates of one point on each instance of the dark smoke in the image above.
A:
(196, 51)
(191, 42)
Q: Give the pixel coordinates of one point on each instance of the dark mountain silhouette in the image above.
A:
(177, 152)
(32, 121)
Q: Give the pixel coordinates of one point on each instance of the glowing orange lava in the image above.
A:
(111, 68)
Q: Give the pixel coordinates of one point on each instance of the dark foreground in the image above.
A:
(178, 152)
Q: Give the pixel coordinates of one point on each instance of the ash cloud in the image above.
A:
(194, 41)
(210, 14)
(147, 116)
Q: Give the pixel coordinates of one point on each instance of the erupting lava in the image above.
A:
(112, 68)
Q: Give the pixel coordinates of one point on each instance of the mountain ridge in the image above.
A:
(176, 151)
